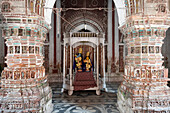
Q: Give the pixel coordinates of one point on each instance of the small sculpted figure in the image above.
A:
(79, 60)
(87, 62)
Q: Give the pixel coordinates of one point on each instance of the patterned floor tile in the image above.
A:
(85, 101)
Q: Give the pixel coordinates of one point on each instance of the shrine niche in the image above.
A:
(84, 57)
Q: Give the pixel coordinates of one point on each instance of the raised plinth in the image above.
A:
(83, 81)
(23, 96)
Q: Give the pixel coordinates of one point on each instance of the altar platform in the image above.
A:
(84, 81)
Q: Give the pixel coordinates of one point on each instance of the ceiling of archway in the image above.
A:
(95, 18)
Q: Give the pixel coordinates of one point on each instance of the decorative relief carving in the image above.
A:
(162, 8)
(143, 73)
(144, 49)
(138, 50)
(157, 49)
(149, 32)
(151, 49)
(11, 49)
(74, 2)
(24, 49)
(17, 49)
(132, 50)
(32, 74)
(156, 1)
(5, 7)
(137, 73)
(37, 50)
(94, 2)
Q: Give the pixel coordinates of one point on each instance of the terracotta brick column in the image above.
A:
(144, 88)
(24, 86)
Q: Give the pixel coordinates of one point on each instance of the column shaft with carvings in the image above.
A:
(24, 86)
(144, 88)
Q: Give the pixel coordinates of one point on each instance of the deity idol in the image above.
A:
(87, 62)
(79, 60)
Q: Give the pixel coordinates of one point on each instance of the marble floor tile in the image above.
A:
(85, 101)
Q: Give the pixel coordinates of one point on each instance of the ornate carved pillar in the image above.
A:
(144, 88)
(24, 86)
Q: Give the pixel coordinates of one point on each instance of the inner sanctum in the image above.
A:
(84, 56)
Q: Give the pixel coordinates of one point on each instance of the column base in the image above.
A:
(34, 99)
(70, 92)
(130, 103)
(97, 92)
